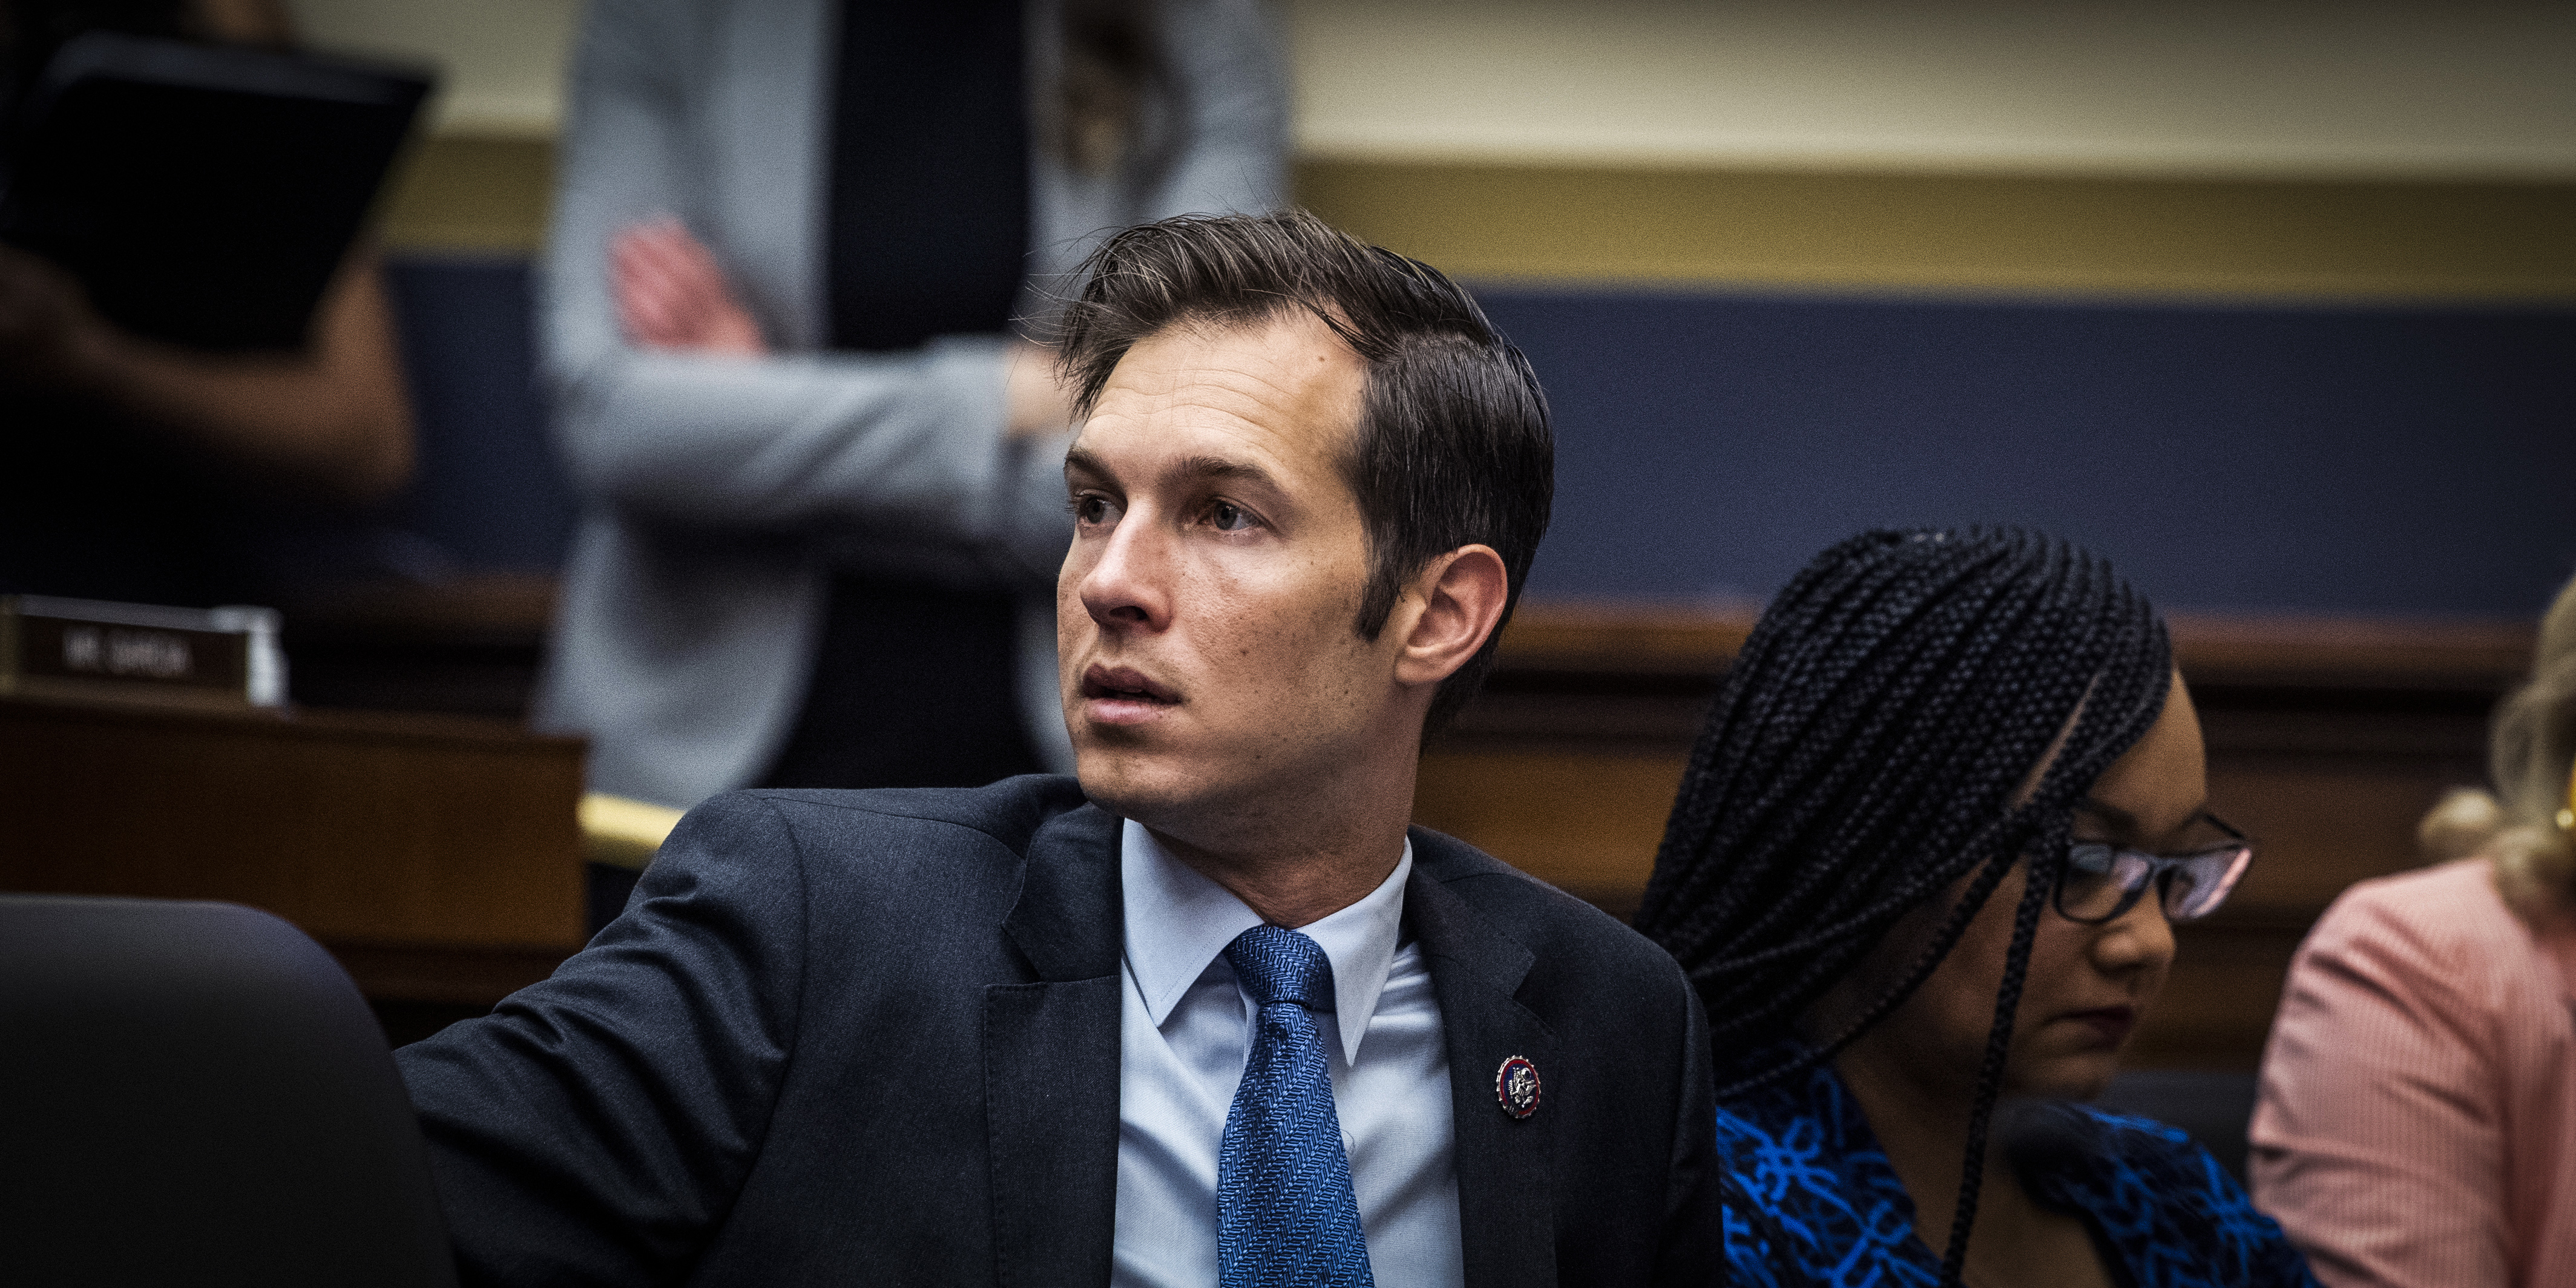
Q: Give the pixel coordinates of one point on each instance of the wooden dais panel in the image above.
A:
(438, 856)
(1586, 823)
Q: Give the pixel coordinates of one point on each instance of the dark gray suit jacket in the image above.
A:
(872, 1038)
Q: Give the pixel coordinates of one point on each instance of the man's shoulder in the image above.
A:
(1564, 934)
(1010, 812)
(898, 862)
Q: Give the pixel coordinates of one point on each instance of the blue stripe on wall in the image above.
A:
(2333, 461)
(488, 493)
(2233, 459)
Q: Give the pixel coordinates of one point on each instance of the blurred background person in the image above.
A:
(1928, 853)
(2417, 1121)
(820, 470)
(147, 472)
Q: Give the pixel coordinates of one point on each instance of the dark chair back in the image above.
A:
(195, 1094)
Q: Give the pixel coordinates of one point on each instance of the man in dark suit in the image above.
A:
(1211, 1013)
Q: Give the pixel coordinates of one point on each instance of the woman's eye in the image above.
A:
(1225, 516)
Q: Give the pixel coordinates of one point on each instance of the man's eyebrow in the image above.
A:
(1079, 459)
(1217, 467)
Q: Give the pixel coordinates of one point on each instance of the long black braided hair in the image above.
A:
(1864, 757)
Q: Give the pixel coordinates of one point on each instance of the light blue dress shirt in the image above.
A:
(1184, 1031)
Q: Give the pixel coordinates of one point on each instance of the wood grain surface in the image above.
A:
(437, 855)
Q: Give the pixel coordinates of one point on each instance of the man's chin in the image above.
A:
(1156, 787)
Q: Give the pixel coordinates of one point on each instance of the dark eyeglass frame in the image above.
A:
(2216, 870)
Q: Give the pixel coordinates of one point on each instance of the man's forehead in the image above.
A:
(1284, 388)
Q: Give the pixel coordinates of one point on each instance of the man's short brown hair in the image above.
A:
(1453, 445)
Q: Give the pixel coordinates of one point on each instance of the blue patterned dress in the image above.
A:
(1812, 1199)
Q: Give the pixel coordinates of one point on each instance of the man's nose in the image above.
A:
(1129, 585)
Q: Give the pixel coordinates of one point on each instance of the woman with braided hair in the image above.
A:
(1925, 857)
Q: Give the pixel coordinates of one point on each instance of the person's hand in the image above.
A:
(671, 294)
(49, 336)
(1039, 404)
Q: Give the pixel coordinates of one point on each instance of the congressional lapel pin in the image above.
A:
(1516, 1085)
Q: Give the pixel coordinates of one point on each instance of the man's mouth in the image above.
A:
(1120, 684)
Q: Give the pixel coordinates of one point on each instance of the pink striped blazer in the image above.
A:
(2417, 1124)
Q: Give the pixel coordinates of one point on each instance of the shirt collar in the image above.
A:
(1178, 921)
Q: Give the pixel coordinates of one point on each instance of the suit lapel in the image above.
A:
(1051, 1062)
(1506, 1203)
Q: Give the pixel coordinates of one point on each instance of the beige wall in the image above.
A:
(502, 59)
(2280, 150)
(2281, 89)
(2292, 88)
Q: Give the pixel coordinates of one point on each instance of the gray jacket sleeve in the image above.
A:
(1230, 105)
(905, 448)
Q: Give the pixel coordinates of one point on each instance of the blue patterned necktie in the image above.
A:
(1285, 1214)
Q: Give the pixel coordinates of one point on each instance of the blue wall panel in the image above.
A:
(2335, 461)
(2325, 460)
(488, 493)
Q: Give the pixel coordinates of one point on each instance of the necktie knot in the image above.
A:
(1279, 965)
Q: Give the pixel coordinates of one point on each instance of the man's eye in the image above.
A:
(1091, 508)
(1225, 516)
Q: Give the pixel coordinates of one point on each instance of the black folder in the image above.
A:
(203, 194)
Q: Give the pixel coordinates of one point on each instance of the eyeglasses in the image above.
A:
(2103, 881)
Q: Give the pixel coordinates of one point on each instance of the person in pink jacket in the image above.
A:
(2417, 1124)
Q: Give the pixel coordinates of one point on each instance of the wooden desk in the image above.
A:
(436, 856)
(2327, 741)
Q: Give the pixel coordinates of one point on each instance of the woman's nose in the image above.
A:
(2141, 938)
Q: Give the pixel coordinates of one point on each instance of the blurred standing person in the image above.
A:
(821, 476)
(2417, 1124)
(137, 469)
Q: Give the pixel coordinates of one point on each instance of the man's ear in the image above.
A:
(1455, 603)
